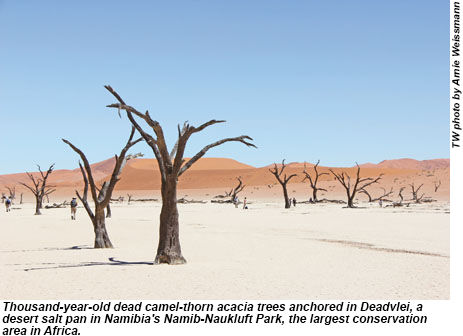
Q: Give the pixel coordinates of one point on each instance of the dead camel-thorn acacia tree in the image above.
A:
(101, 196)
(283, 180)
(314, 180)
(437, 184)
(415, 191)
(171, 165)
(12, 191)
(235, 191)
(39, 187)
(379, 198)
(400, 194)
(354, 186)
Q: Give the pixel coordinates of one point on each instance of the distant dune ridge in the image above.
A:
(410, 164)
(221, 174)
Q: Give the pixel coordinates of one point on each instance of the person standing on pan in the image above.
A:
(8, 204)
(73, 208)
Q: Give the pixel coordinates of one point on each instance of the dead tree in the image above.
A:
(437, 185)
(400, 195)
(108, 207)
(108, 211)
(380, 198)
(39, 187)
(313, 181)
(358, 184)
(235, 191)
(21, 198)
(420, 198)
(12, 192)
(171, 166)
(102, 198)
(283, 180)
(415, 191)
(129, 198)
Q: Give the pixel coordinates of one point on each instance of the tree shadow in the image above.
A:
(76, 247)
(112, 262)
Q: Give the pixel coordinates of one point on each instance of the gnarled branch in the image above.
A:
(243, 139)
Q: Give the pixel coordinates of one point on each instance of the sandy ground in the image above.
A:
(266, 252)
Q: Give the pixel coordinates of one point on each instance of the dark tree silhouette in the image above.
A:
(379, 198)
(415, 191)
(171, 166)
(108, 210)
(437, 184)
(400, 194)
(356, 185)
(102, 197)
(235, 191)
(39, 187)
(314, 180)
(419, 198)
(12, 192)
(283, 180)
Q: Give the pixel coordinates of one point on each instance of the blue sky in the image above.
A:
(339, 81)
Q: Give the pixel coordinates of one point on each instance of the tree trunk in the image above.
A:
(350, 202)
(285, 193)
(108, 211)
(169, 251)
(314, 193)
(101, 235)
(38, 205)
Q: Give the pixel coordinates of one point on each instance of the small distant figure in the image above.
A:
(8, 204)
(245, 203)
(73, 208)
(311, 200)
(294, 201)
(236, 201)
(380, 203)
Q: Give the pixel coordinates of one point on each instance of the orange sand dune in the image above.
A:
(202, 164)
(220, 174)
(410, 164)
(260, 183)
(61, 177)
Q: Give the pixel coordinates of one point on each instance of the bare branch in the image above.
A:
(415, 190)
(282, 180)
(181, 133)
(88, 169)
(358, 185)
(184, 136)
(152, 142)
(34, 191)
(121, 160)
(243, 139)
(314, 181)
(400, 194)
